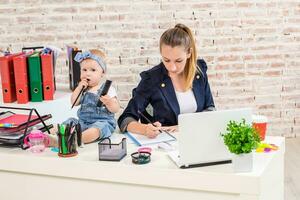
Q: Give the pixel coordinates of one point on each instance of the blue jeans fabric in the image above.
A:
(92, 116)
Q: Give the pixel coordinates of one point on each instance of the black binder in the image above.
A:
(74, 70)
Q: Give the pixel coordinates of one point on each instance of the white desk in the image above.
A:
(24, 175)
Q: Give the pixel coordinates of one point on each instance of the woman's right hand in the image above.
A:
(152, 131)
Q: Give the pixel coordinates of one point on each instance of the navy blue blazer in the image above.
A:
(156, 88)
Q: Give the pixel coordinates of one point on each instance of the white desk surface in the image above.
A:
(27, 171)
(161, 172)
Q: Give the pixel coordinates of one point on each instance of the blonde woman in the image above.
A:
(177, 85)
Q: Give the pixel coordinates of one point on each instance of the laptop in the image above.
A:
(199, 139)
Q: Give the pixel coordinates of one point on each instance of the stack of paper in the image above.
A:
(142, 140)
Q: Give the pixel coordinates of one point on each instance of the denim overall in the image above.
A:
(92, 116)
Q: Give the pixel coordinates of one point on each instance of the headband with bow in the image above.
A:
(85, 55)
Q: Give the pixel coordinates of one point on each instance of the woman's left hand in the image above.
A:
(170, 128)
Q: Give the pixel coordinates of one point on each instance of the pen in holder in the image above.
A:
(68, 140)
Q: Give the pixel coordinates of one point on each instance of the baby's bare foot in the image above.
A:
(53, 140)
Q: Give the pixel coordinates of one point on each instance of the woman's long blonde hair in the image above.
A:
(181, 35)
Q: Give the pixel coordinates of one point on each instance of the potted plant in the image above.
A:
(241, 139)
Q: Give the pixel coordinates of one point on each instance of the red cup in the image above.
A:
(260, 124)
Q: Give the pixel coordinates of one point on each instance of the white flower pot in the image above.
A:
(242, 162)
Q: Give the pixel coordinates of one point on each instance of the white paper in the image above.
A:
(144, 140)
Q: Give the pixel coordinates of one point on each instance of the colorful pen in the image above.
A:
(63, 139)
(7, 125)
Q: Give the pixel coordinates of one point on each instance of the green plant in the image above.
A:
(240, 137)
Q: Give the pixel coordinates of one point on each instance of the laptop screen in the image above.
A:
(200, 139)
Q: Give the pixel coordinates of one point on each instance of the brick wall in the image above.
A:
(252, 47)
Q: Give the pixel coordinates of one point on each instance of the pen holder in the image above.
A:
(69, 138)
(67, 146)
(112, 152)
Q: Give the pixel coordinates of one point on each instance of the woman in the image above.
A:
(177, 85)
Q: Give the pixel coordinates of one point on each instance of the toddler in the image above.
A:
(96, 122)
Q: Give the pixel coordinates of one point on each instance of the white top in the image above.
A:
(187, 101)
(111, 92)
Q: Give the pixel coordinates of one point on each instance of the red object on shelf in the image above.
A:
(48, 76)
(8, 78)
(21, 78)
